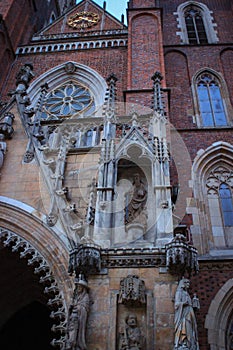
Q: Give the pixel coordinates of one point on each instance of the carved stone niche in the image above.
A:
(131, 314)
(85, 259)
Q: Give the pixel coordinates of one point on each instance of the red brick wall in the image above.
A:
(145, 50)
(222, 14)
(226, 59)
(182, 63)
(20, 19)
(104, 61)
(141, 3)
(206, 284)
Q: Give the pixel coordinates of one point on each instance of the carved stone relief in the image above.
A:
(131, 336)
(131, 314)
(219, 175)
(132, 291)
(181, 257)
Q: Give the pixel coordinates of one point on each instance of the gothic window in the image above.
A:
(220, 186)
(210, 101)
(226, 204)
(52, 18)
(212, 177)
(68, 100)
(195, 26)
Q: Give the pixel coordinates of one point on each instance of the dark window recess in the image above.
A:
(195, 26)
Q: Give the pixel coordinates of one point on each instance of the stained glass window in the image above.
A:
(226, 204)
(67, 100)
(210, 101)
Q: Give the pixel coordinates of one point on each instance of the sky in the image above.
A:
(115, 7)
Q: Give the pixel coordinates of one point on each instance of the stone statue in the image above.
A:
(131, 337)
(23, 77)
(77, 319)
(3, 149)
(185, 320)
(135, 207)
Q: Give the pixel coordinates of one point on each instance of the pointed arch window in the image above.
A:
(52, 18)
(195, 26)
(210, 101)
(226, 204)
(220, 185)
(196, 23)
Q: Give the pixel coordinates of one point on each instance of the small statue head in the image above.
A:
(184, 283)
(131, 320)
(81, 284)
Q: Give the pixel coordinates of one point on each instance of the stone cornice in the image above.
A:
(210, 265)
(95, 43)
(133, 257)
(81, 35)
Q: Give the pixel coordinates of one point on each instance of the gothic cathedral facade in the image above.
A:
(116, 175)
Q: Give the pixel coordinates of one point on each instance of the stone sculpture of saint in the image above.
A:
(77, 320)
(23, 77)
(185, 321)
(131, 338)
(25, 74)
(139, 197)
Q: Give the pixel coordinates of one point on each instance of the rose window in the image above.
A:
(68, 100)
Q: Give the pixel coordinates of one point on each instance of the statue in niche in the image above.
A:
(134, 211)
(77, 318)
(131, 336)
(185, 321)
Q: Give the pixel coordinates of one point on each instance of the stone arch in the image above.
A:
(218, 316)
(44, 240)
(207, 19)
(26, 235)
(206, 235)
(59, 75)
(217, 151)
(146, 13)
